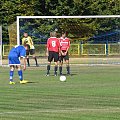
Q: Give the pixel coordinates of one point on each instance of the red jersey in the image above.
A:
(53, 44)
(64, 43)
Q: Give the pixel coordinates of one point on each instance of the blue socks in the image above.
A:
(11, 75)
(20, 75)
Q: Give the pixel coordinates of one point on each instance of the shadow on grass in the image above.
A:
(73, 74)
(32, 82)
(29, 82)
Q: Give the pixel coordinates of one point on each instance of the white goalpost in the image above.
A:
(33, 17)
(56, 17)
(0, 45)
(83, 47)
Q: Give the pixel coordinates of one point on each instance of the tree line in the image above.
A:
(9, 9)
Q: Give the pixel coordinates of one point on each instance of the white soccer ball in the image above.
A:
(62, 78)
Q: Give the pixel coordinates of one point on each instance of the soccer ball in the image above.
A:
(62, 78)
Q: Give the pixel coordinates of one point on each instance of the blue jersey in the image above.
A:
(17, 51)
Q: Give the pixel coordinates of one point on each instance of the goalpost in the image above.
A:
(81, 49)
(58, 17)
(0, 45)
(77, 49)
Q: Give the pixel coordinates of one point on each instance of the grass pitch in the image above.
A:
(91, 93)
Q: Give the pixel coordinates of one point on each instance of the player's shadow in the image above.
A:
(73, 74)
(31, 82)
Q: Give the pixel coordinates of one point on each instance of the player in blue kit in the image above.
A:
(14, 56)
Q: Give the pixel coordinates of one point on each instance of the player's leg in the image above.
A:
(48, 69)
(50, 58)
(56, 59)
(20, 73)
(68, 67)
(60, 64)
(28, 61)
(32, 52)
(11, 74)
(66, 58)
(12, 61)
(35, 60)
(55, 68)
(27, 54)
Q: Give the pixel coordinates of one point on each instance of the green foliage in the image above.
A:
(77, 28)
(9, 9)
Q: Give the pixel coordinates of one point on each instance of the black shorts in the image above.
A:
(62, 57)
(30, 51)
(53, 55)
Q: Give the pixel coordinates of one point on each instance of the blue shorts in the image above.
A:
(13, 60)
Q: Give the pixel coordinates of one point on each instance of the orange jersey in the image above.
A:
(64, 43)
(53, 44)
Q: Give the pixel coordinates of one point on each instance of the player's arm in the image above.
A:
(31, 41)
(23, 41)
(24, 63)
(23, 56)
(67, 48)
(59, 45)
(59, 51)
(47, 50)
(62, 53)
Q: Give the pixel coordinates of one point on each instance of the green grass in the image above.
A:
(91, 93)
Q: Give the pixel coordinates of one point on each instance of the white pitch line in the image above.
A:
(67, 110)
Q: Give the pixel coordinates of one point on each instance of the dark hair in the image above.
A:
(26, 32)
(65, 32)
(26, 45)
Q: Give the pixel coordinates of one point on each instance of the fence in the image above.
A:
(77, 49)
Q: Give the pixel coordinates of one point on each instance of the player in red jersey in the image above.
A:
(64, 47)
(53, 47)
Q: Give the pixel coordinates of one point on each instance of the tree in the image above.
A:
(9, 9)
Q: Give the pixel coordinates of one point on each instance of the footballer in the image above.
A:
(28, 40)
(64, 47)
(53, 47)
(15, 53)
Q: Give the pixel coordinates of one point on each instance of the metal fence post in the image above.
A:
(0, 45)
(107, 48)
(81, 48)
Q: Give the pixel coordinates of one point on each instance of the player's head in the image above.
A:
(64, 34)
(27, 47)
(25, 34)
(53, 34)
